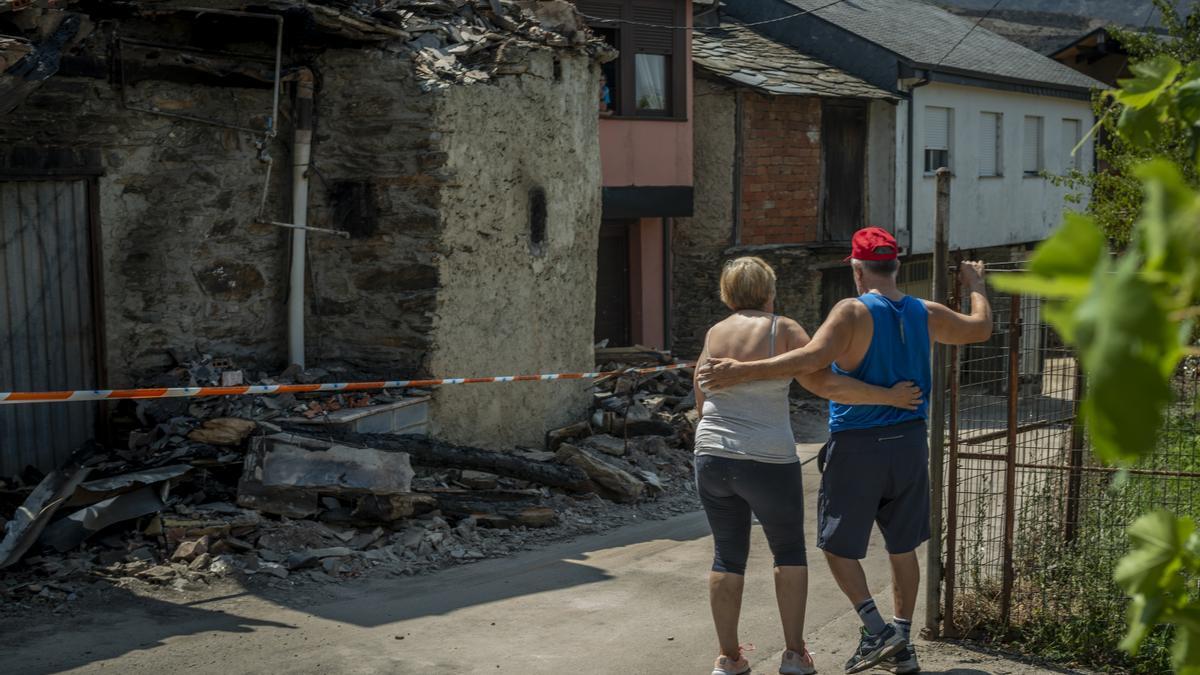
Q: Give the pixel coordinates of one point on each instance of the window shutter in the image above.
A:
(602, 9)
(654, 39)
(989, 144)
(1070, 137)
(937, 128)
(1031, 153)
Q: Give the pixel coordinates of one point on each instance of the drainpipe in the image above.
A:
(912, 113)
(301, 153)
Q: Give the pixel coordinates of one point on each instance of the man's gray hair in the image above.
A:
(880, 268)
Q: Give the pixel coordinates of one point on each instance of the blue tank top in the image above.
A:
(899, 351)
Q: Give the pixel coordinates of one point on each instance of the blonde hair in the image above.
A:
(747, 283)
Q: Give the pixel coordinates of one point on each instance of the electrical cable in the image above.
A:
(968, 33)
(705, 13)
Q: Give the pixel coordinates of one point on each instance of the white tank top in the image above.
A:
(749, 421)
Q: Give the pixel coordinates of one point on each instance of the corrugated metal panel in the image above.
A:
(46, 327)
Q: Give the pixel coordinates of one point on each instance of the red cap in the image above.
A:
(873, 243)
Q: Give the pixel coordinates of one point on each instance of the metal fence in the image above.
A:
(1034, 523)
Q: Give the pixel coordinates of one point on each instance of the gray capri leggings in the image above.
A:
(732, 489)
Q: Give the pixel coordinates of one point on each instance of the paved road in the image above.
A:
(631, 601)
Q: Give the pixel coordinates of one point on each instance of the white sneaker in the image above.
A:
(727, 666)
(797, 663)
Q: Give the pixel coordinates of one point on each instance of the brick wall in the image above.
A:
(781, 174)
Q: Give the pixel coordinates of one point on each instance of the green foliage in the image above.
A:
(1130, 318)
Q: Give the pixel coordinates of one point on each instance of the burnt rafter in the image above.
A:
(41, 60)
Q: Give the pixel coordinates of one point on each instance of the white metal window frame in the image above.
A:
(939, 134)
(1072, 133)
(1033, 142)
(991, 145)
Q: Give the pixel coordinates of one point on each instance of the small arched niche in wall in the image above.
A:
(537, 221)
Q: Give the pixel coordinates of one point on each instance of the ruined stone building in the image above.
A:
(147, 156)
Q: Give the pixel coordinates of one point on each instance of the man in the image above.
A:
(875, 465)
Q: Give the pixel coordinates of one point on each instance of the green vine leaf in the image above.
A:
(1150, 574)
(1063, 265)
(1127, 344)
(1146, 126)
(1151, 79)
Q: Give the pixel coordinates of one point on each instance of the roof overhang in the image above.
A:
(945, 75)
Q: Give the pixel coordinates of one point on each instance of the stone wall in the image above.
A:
(439, 274)
(510, 304)
(380, 175)
(698, 243)
(184, 265)
(781, 159)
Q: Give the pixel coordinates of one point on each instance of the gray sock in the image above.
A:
(904, 627)
(870, 617)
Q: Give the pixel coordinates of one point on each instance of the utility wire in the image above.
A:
(705, 13)
(968, 33)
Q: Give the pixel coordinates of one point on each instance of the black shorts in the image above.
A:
(877, 476)
(732, 489)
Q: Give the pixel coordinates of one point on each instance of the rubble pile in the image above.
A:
(464, 41)
(261, 489)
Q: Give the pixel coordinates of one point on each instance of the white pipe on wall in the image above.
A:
(302, 153)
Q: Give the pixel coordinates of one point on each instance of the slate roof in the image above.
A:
(923, 34)
(738, 54)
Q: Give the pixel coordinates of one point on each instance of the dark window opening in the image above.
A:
(610, 74)
(537, 221)
(936, 159)
(354, 208)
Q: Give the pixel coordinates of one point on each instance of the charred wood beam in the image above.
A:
(38, 65)
(192, 67)
(431, 453)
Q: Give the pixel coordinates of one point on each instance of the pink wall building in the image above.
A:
(646, 152)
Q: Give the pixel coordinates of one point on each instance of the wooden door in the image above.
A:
(612, 285)
(844, 165)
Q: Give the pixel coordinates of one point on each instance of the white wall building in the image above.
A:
(1001, 116)
(1001, 146)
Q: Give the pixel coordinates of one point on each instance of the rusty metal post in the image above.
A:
(937, 414)
(1010, 464)
(949, 628)
(1075, 474)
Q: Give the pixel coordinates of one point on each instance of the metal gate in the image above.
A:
(1034, 523)
(1014, 459)
(47, 318)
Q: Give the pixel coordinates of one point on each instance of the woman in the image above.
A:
(746, 461)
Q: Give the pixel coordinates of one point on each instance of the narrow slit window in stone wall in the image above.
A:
(537, 221)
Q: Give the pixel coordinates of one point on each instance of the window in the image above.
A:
(537, 221)
(991, 146)
(937, 138)
(1072, 133)
(649, 78)
(1032, 155)
(652, 82)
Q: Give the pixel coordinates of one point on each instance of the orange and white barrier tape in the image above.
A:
(15, 397)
